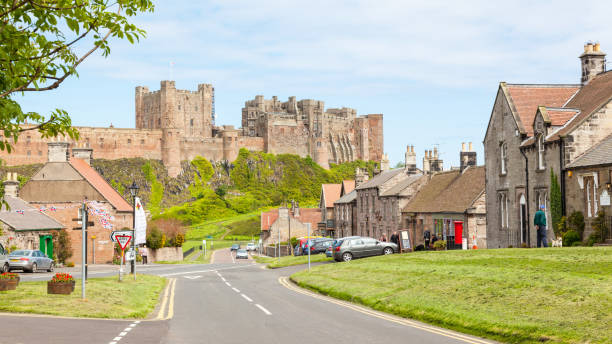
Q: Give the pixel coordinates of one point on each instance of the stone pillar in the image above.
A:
(321, 155)
(57, 151)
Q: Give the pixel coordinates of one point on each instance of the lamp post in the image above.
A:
(133, 191)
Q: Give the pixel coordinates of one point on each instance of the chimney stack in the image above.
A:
(11, 185)
(410, 161)
(84, 153)
(384, 163)
(593, 62)
(467, 159)
(58, 151)
(361, 176)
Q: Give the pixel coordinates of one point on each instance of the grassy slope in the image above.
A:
(513, 295)
(274, 263)
(106, 298)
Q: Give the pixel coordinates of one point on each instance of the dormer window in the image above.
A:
(541, 152)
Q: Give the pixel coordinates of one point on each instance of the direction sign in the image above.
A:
(130, 255)
(123, 240)
(115, 233)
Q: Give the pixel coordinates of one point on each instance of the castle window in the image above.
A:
(142, 141)
(159, 121)
(101, 142)
(129, 141)
(29, 153)
(39, 153)
(191, 122)
(179, 107)
(196, 108)
(503, 209)
(28, 140)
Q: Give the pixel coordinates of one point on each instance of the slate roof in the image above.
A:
(599, 154)
(331, 193)
(527, 98)
(348, 198)
(449, 192)
(31, 219)
(396, 189)
(380, 179)
(98, 183)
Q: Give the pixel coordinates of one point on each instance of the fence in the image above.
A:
(188, 252)
(272, 251)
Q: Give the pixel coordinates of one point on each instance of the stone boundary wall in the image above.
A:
(170, 254)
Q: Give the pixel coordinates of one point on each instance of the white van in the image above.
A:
(4, 262)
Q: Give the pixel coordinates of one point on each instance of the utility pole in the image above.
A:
(308, 240)
(83, 248)
(289, 222)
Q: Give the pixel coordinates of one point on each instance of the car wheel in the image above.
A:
(33, 268)
(387, 250)
(6, 268)
(50, 268)
(347, 256)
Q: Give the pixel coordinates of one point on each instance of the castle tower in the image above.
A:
(171, 134)
(593, 62)
(230, 143)
(139, 104)
(410, 161)
(466, 157)
(321, 156)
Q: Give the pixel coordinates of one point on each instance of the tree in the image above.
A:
(555, 202)
(63, 246)
(38, 53)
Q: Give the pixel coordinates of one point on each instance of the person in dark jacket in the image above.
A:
(539, 220)
(395, 239)
(427, 236)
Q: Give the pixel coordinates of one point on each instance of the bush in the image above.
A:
(577, 243)
(576, 223)
(63, 246)
(439, 245)
(154, 238)
(599, 227)
(593, 239)
(570, 237)
(69, 264)
(165, 233)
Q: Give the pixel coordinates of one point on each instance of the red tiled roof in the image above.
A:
(268, 219)
(331, 193)
(527, 98)
(98, 183)
(310, 215)
(347, 186)
(560, 117)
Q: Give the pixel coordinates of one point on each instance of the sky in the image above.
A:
(432, 68)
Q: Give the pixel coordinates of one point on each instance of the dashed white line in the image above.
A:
(117, 338)
(246, 298)
(223, 279)
(127, 329)
(263, 309)
(236, 290)
(124, 332)
(229, 285)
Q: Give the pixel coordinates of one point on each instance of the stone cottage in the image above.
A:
(330, 193)
(291, 223)
(536, 130)
(24, 226)
(63, 184)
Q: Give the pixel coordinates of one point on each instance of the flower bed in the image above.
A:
(61, 283)
(9, 281)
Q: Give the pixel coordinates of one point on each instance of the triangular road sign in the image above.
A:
(123, 240)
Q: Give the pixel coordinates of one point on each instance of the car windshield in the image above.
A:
(20, 253)
(242, 251)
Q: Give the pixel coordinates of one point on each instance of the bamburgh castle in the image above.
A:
(176, 125)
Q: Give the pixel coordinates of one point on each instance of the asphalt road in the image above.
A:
(232, 301)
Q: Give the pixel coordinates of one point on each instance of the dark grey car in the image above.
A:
(363, 247)
(30, 261)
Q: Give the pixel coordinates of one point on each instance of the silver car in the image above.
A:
(242, 253)
(29, 261)
(360, 247)
(4, 262)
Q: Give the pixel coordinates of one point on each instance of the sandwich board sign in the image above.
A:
(123, 240)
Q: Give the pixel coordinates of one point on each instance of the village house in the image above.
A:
(289, 223)
(451, 206)
(330, 193)
(381, 199)
(23, 226)
(536, 131)
(61, 187)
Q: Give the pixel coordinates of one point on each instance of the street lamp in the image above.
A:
(133, 191)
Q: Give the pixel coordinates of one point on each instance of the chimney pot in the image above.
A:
(463, 146)
(596, 47)
(470, 148)
(589, 47)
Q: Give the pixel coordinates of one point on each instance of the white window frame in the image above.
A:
(503, 156)
(541, 152)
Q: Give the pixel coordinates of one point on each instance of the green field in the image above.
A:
(106, 298)
(559, 295)
(274, 263)
(240, 227)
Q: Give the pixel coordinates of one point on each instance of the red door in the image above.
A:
(458, 232)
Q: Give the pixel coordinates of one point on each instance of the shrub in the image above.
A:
(593, 239)
(577, 243)
(599, 227)
(69, 264)
(154, 238)
(576, 223)
(165, 233)
(570, 237)
(63, 246)
(440, 245)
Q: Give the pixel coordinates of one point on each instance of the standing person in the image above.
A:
(539, 220)
(395, 239)
(143, 253)
(427, 236)
(383, 238)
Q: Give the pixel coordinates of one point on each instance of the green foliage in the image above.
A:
(294, 241)
(562, 226)
(204, 169)
(440, 245)
(39, 52)
(154, 238)
(555, 202)
(570, 237)
(117, 186)
(207, 207)
(157, 190)
(575, 222)
(63, 246)
(599, 228)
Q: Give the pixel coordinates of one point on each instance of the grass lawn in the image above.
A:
(217, 245)
(240, 226)
(558, 295)
(274, 263)
(106, 298)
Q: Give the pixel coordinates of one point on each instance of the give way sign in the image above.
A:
(123, 240)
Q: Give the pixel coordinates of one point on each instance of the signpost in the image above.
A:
(123, 240)
(83, 249)
(115, 233)
(204, 246)
(309, 243)
(130, 255)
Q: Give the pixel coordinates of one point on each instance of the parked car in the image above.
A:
(362, 247)
(251, 247)
(242, 254)
(235, 247)
(329, 252)
(29, 261)
(297, 250)
(4, 262)
(320, 246)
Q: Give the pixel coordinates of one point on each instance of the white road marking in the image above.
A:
(132, 325)
(202, 271)
(223, 279)
(233, 260)
(236, 290)
(137, 322)
(127, 329)
(117, 338)
(227, 283)
(246, 298)
(192, 277)
(263, 309)
(122, 334)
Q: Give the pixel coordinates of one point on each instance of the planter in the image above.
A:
(9, 284)
(63, 288)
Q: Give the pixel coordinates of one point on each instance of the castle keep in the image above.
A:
(176, 125)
